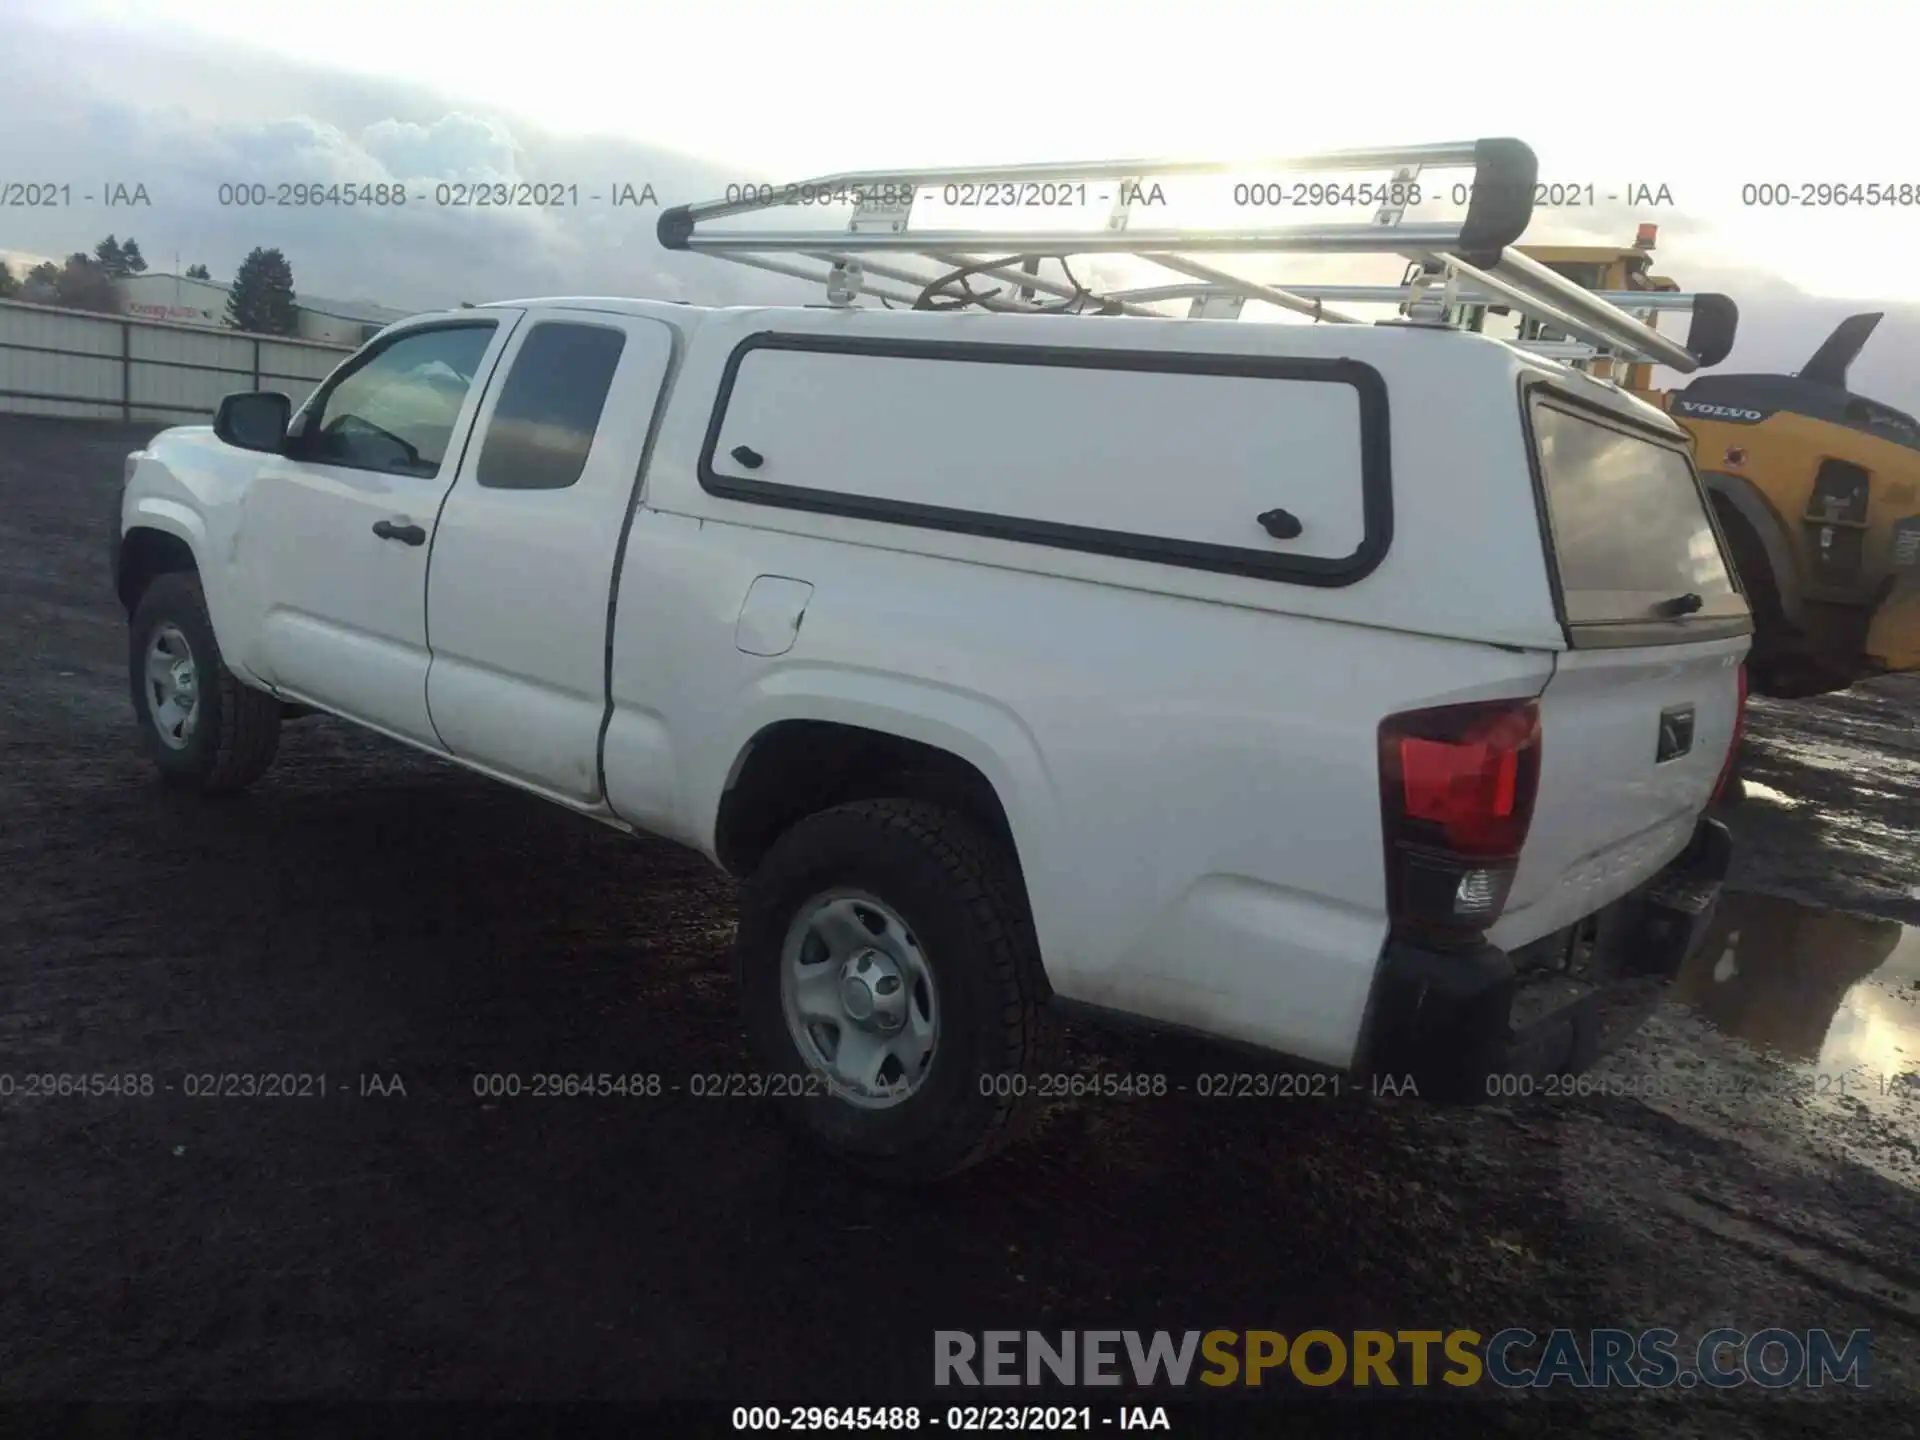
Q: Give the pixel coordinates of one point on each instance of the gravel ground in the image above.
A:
(392, 923)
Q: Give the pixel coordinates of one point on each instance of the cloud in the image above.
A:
(182, 116)
(454, 147)
(71, 125)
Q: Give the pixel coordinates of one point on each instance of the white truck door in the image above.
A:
(333, 535)
(529, 539)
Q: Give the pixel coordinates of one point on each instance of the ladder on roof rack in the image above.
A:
(1458, 265)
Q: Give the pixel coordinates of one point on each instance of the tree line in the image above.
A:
(260, 299)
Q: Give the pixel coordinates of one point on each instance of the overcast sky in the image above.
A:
(182, 97)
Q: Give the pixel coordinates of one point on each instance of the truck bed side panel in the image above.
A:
(1193, 789)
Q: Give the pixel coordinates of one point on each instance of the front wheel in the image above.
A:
(887, 964)
(199, 725)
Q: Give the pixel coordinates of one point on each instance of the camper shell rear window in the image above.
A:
(1636, 553)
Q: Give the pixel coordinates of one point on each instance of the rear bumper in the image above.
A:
(1458, 1022)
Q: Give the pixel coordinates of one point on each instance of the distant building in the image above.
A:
(204, 302)
(173, 297)
(344, 322)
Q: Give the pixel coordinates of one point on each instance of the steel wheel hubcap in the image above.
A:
(859, 998)
(173, 687)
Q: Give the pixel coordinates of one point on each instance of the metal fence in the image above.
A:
(116, 367)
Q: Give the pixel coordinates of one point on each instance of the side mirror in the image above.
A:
(1710, 336)
(254, 420)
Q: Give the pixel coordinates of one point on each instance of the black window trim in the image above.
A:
(1621, 634)
(509, 364)
(1316, 570)
(316, 403)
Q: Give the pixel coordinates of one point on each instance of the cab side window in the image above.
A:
(396, 412)
(543, 426)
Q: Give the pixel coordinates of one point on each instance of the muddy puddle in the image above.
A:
(1837, 993)
(1795, 1031)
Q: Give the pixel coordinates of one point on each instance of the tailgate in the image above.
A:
(1639, 717)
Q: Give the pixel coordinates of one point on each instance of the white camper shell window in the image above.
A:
(1632, 534)
(1257, 465)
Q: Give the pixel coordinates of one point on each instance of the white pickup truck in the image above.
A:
(1320, 688)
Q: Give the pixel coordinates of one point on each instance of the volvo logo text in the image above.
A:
(1720, 412)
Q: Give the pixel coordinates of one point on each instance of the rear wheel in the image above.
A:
(201, 727)
(891, 986)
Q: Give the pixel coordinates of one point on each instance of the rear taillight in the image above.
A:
(1733, 745)
(1457, 786)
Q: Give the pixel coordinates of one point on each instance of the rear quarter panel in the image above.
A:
(1193, 788)
(1193, 785)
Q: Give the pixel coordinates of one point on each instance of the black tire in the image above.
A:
(959, 892)
(236, 729)
(1772, 635)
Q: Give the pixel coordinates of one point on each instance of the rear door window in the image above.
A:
(1632, 537)
(550, 407)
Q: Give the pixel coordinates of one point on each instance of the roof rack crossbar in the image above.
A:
(767, 197)
(1571, 350)
(821, 276)
(1630, 301)
(920, 282)
(1303, 239)
(827, 261)
(952, 260)
(1468, 257)
(1532, 279)
(1572, 311)
(1253, 290)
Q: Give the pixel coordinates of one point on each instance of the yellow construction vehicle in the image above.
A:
(1817, 489)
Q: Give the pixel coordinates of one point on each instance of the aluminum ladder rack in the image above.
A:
(1459, 264)
(1224, 301)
